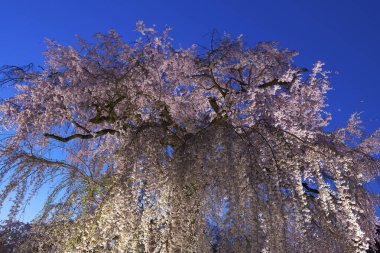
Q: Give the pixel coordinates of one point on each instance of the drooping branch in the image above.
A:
(31, 158)
(14, 74)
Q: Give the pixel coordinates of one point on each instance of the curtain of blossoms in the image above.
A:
(156, 149)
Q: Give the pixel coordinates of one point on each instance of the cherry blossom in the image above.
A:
(152, 148)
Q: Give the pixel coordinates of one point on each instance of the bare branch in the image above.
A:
(81, 136)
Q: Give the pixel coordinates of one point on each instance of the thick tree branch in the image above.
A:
(111, 116)
(81, 136)
(276, 81)
(309, 189)
(80, 126)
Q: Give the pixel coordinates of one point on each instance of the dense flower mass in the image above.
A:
(149, 148)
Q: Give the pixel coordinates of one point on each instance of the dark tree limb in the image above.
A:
(276, 81)
(309, 189)
(111, 116)
(81, 136)
(214, 105)
(80, 126)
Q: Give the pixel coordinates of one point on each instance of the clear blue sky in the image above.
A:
(345, 34)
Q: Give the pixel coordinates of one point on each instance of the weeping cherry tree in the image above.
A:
(150, 148)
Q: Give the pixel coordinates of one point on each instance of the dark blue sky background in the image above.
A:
(344, 34)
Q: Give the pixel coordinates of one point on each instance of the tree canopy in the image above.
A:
(152, 148)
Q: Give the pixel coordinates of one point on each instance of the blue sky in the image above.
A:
(343, 34)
